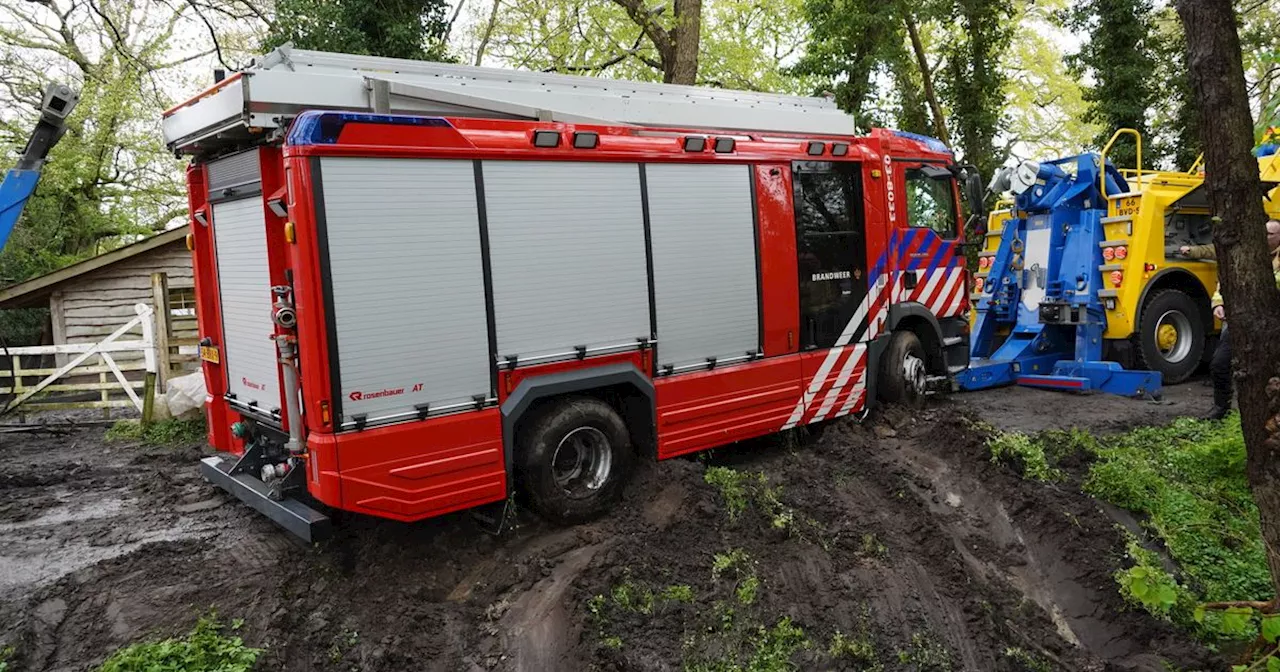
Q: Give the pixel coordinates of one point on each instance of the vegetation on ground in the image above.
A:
(1201, 543)
(209, 647)
(168, 432)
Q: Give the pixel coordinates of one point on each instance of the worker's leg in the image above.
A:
(1220, 372)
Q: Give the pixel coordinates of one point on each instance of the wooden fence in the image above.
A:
(90, 375)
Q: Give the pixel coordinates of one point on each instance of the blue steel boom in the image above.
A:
(20, 181)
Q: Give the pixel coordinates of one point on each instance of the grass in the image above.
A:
(209, 647)
(168, 432)
(1186, 481)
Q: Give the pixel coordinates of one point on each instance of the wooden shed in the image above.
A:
(89, 300)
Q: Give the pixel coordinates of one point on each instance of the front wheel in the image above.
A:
(1171, 335)
(574, 459)
(903, 374)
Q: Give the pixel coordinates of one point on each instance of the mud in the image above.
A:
(898, 533)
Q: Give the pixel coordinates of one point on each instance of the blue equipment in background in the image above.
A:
(20, 181)
(1044, 282)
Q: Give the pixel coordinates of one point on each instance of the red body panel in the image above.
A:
(778, 276)
(414, 470)
(417, 469)
(705, 409)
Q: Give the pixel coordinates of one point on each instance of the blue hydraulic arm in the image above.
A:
(20, 181)
(1042, 287)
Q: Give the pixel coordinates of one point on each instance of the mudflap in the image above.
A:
(291, 514)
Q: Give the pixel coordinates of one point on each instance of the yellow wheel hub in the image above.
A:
(1166, 337)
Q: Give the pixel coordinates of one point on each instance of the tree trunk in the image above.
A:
(1244, 267)
(926, 77)
(682, 65)
(487, 33)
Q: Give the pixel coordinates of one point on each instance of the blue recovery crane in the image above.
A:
(1044, 284)
(20, 181)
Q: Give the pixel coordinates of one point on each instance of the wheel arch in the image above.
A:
(916, 318)
(620, 385)
(1179, 279)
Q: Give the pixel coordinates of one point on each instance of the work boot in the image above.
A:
(1217, 413)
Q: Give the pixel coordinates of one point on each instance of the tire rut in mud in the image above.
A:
(903, 537)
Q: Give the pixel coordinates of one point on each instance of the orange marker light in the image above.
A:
(1108, 253)
(191, 242)
(1116, 278)
(1122, 251)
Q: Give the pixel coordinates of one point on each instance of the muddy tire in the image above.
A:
(1171, 335)
(902, 370)
(574, 459)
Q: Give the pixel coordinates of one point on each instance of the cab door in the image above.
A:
(831, 250)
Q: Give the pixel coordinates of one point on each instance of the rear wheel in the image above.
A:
(1171, 335)
(903, 372)
(574, 459)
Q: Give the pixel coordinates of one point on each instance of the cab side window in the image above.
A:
(931, 202)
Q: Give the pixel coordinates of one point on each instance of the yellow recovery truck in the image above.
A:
(1154, 302)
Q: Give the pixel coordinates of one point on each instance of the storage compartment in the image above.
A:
(410, 330)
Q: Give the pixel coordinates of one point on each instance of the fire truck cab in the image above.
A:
(424, 287)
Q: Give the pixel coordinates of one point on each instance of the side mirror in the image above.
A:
(975, 193)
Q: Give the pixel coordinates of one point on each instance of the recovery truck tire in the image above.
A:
(903, 371)
(574, 459)
(1171, 335)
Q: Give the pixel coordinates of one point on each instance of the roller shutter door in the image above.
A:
(407, 282)
(244, 281)
(566, 245)
(703, 232)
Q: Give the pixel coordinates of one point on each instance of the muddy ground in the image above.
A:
(899, 534)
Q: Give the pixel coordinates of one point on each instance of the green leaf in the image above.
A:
(1273, 664)
(1236, 620)
(1198, 614)
(1271, 628)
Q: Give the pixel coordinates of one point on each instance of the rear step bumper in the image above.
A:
(291, 514)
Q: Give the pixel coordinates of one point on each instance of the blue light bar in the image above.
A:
(315, 127)
(933, 144)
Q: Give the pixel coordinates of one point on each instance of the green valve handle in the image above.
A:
(240, 430)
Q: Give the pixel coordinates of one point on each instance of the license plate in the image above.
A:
(209, 353)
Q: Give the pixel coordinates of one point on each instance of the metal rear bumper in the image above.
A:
(291, 514)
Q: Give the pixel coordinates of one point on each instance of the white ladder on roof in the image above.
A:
(287, 81)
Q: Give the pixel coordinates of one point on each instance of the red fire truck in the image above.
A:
(425, 287)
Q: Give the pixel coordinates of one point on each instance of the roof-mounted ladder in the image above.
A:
(271, 91)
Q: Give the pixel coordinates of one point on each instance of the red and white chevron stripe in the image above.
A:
(940, 290)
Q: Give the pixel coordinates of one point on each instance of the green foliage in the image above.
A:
(747, 588)
(110, 179)
(926, 654)
(207, 648)
(168, 432)
(732, 486)
(872, 547)
(859, 650)
(1118, 55)
(771, 650)
(393, 28)
(1029, 662)
(6, 652)
(628, 596)
(1026, 452)
(1189, 481)
(678, 593)
(743, 489)
(1147, 583)
(612, 642)
(975, 82)
(735, 560)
